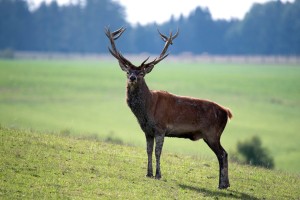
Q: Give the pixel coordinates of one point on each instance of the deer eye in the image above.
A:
(141, 73)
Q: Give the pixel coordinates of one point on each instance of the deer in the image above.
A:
(161, 114)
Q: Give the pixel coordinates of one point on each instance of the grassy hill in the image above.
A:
(37, 165)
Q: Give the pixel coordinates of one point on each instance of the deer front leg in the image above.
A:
(159, 141)
(150, 143)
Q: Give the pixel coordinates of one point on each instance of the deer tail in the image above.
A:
(229, 114)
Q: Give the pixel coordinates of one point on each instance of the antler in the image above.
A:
(163, 55)
(112, 37)
(124, 63)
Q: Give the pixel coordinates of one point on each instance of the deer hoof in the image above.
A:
(158, 176)
(224, 186)
(150, 176)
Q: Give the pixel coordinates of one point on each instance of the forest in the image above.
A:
(272, 28)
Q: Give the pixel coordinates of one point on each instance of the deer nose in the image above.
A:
(132, 78)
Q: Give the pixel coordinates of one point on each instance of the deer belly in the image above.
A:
(184, 132)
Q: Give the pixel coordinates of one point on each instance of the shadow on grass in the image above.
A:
(220, 193)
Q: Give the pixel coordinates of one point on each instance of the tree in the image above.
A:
(97, 15)
(15, 20)
(268, 29)
(48, 23)
(288, 34)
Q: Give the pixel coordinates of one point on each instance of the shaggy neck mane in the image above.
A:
(138, 96)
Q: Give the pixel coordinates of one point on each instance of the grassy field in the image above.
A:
(48, 166)
(88, 98)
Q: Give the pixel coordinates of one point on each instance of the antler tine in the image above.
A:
(116, 34)
(176, 34)
(145, 61)
(163, 37)
(113, 34)
(168, 41)
(113, 50)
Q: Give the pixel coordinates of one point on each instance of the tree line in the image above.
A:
(272, 28)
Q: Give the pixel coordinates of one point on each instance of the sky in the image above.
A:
(159, 11)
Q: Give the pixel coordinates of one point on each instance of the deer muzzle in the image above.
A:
(132, 78)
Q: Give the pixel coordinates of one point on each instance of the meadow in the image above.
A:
(88, 98)
(37, 165)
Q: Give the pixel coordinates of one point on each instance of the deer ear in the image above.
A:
(123, 67)
(149, 68)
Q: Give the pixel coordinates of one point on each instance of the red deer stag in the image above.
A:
(161, 114)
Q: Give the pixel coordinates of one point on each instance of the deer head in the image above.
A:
(136, 73)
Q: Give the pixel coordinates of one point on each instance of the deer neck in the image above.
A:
(138, 97)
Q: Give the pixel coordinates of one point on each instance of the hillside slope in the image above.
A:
(49, 166)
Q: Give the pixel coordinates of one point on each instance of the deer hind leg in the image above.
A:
(159, 141)
(150, 143)
(223, 162)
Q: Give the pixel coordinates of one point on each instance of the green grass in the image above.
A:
(37, 165)
(88, 98)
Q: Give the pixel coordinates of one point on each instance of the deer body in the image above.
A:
(176, 116)
(161, 114)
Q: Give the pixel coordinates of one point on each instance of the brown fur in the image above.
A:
(161, 114)
(179, 115)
